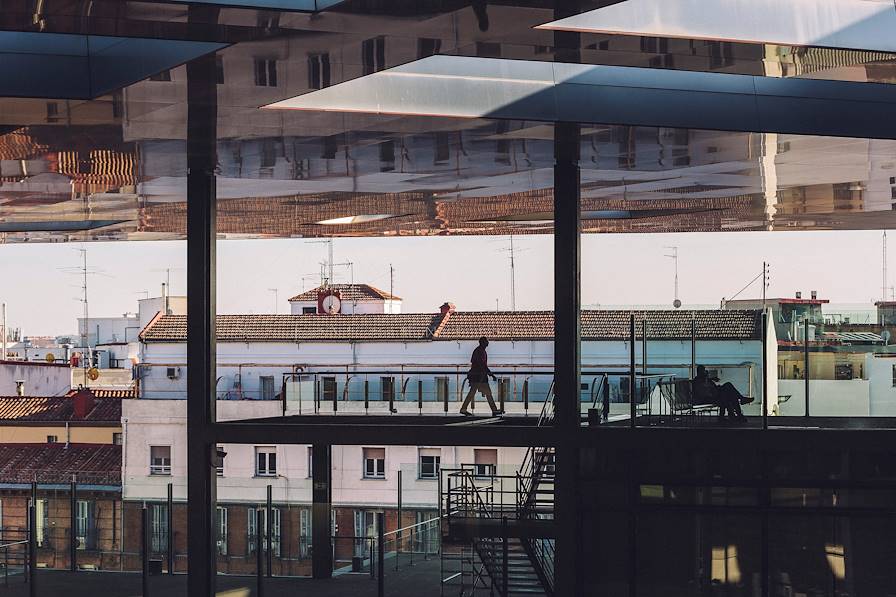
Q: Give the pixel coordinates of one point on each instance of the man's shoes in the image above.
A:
(497, 413)
(466, 413)
(747, 400)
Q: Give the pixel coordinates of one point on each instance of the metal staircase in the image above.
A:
(502, 546)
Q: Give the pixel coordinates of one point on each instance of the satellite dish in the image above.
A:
(676, 303)
(93, 374)
(50, 358)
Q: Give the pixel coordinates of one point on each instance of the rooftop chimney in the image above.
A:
(447, 308)
(83, 402)
(799, 294)
(814, 295)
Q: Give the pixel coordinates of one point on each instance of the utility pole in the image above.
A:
(85, 336)
(276, 292)
(764, 283)
(512, 278)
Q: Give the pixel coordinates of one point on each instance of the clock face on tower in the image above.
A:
(331, 304)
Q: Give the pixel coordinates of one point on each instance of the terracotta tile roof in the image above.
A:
(94, 464)
(463, 325)
(606, 325)
(110, 393)
(299, 328)
(349, 292)
(56, 409)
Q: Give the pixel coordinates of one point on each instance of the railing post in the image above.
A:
(366, 395)
(381, 553)
(398, 533)
(526, 397)
(259, 555)
(419, 397)
(764, 369)
(145, 549)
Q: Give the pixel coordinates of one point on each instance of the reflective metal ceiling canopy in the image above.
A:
(850, 24)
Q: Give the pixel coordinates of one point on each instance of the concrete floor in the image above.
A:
(421, 579)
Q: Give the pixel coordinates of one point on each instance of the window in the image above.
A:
(158, 517)
(117, 438)
(894, 376)
(275, 529)
(442, 148)
(721, 54)
(52, 112)
(426, 536)
(309, 310)
(428, 465)
(219, 468)
(267, 387)
(441, 389)
(427, 46)
(265, 72)
(265, 462)
(41, 515)
(329, 384)
(485, 462)
(365, 532)
(221, 540)
(318, 71)
(160, 460)
(52, 439)
(503, 389)
(85, 534)
(488, 49)
(165, 75)
(219, 70)
(310, 461)
(387, 156)
(304, 533)
(373, 55)
(387, 386)
(374, 463)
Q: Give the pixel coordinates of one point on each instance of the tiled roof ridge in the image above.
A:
(311, 294)
(437, 331)
(152, 321)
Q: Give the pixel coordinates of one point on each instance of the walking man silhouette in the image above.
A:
(478, 379)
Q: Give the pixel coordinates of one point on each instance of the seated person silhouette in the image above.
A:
(706, 390)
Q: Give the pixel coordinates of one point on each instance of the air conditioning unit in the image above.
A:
(173, 372)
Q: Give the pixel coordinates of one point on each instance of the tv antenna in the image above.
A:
(326, 267)
(84, 272)
(674, 257)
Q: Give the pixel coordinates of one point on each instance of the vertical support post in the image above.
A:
(202, 116)
(420, 396)
(398, 534)
(693, 346)
(505, 556)
(632, 371)
(764, 369)
(145, 548)
(568, 565)
(321, 494)
(259, 552)
(283, 395)
(170, 546)
(269, 530)
(366, 395)
(73, 526)
(381, 554)
(806, 361)
(32, 546)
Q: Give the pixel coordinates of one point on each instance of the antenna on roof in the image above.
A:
(326, 267)
(883, 286)
(276, 292)
(674, 256)
(391, 286)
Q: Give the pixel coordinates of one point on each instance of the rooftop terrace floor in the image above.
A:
(419, 579)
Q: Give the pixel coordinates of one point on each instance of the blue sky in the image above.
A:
(43, 298)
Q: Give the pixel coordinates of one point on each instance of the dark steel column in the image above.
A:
(806, 361)
(170, 546)
(145, 549)
(568, 566)
(321, 538)
(73, 526)
(201, 215)
(269, 530)
(765, 370)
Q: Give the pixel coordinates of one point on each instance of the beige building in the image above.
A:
(80, 418)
